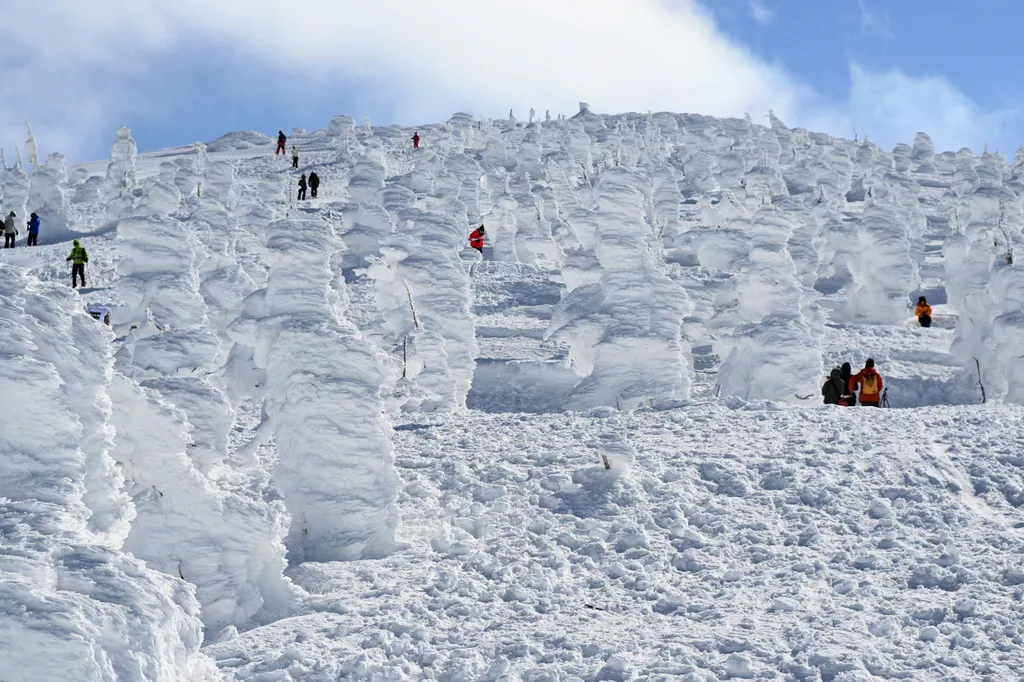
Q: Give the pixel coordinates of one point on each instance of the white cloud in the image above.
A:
(874, 24)
(761, 13)
(892, 106)
(423, 60)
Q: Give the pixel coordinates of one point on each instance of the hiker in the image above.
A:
(923, 312)
(79, 258)
(295, 157)
(314, 183)
(416, 140)
(848, 398)
(302, 187)
(476, 239)
(33, 231)
(281, 140)
(870, 383)
(832, 391)
(10, 231)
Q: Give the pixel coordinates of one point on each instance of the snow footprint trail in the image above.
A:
(72, 605)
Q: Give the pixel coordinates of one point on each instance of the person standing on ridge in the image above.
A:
(476, 239)
(10, 231)
(302, 187)
(281, 140)
(79, 258)
(870, 383)
(295, 157)
(314, 183)
(33, 231)
(416, 140)
(833, 389)
(923, 312)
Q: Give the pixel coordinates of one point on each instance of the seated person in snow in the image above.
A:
(848, 397)
(870, 383)
(476, 238)
(923, 312)
(833, 389)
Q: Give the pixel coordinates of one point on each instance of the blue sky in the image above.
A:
(188, 70)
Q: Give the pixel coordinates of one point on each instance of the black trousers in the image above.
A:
(77, 270)
(302, 193)
(312, 190)
(9, 240)
(925, 320)
(295, 162)
(33, 239)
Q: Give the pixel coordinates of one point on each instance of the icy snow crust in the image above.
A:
(324, 440)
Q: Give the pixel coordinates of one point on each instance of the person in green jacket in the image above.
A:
(79, 258)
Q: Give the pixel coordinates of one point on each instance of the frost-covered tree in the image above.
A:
(16, 190)
(49, 199)
(883, 271)
(775, 330)
(31, 147)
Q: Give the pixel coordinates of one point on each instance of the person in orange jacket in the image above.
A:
(870, 383)
(923, 312)
(476, 238)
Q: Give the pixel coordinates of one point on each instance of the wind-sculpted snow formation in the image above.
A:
(777, 334)
(984, 281)
(624, 330)
(73, 604)
(174, 429)
(322, 401)
(15, 188)
(421, 284)
(48, 198)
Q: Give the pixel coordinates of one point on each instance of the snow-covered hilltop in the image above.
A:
(324, 439)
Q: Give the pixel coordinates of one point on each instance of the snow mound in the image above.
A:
(238, 140)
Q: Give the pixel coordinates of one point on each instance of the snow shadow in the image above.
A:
(510, 386)
(595, 496)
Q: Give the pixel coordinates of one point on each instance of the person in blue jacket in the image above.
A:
(33, 231)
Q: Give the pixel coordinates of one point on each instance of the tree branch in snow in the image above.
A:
(412, 306)
(977, 364)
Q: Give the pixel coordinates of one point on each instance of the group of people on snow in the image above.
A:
(10, 230)
(312, 182)
(845, 388)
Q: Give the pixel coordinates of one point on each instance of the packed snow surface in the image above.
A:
(325, 440)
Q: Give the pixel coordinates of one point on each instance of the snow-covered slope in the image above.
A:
(325, 440)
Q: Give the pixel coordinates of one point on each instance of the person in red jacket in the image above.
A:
(281, 140)
(476, 238)
(870, 383)
(415, 140)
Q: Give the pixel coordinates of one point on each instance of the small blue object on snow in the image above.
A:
(99, 312)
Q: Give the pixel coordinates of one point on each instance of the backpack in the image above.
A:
(869, 384)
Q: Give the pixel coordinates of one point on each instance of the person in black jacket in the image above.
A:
(314, 183)
(302, 187)
(832, 390)
(848, 397)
